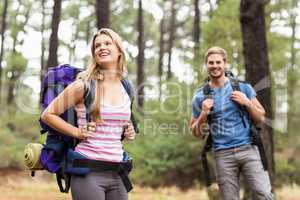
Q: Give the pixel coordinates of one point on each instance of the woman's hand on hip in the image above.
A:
(129, 132)
(86, 131)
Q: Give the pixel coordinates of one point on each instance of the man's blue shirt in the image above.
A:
(227, 127)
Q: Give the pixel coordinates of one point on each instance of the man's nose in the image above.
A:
(101, 46)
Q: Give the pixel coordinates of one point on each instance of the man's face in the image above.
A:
(215, 65)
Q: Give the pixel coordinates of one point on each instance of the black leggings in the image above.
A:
(105, 185)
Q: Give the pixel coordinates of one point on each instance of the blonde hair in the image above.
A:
(216, 50)
(94, 70)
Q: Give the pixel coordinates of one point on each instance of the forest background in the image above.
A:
(165, 41)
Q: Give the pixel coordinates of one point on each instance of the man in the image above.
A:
(231, 136)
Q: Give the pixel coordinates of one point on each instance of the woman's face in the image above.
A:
(106, 52)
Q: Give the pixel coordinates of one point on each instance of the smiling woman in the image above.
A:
(101, 126)
(106, 52)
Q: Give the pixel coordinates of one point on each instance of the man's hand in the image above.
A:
(207, 105)
(255, 109)
(240, 98)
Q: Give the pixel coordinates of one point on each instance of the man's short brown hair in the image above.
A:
(216, 50)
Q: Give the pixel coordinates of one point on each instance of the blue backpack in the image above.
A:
(57, 154)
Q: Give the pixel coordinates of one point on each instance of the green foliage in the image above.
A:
(277, 54)
(16, 63)
(16, 131)
(223, 30)
(164, 152)
(285, 171)
(163, 159)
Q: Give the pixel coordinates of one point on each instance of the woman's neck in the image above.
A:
(111, 75)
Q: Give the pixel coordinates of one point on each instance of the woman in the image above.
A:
(110, 114)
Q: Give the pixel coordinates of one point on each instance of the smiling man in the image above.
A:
(234, 153)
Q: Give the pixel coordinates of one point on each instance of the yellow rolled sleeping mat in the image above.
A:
(32, 154)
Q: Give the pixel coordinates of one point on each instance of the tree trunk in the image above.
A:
(87, 39)
(43, 42)
(140, 58)
(52, 59)
(257, 66)
(196, 29)
(3, 29)
(171, 37)
(161, 54)
(72, 46)
(211, 9)
(42, 72)
(102, 11)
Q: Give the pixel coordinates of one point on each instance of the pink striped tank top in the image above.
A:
(105, 144)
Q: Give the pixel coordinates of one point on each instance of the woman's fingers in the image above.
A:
(129, 131)
(91, 126)
(87, 131)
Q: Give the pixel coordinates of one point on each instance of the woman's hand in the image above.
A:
(86, 131)
(129, 132)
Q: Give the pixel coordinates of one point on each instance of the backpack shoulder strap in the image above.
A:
(206, 90)
(128, 87)
(208, 139)
(235, 84)
(236, 87)
(89, 95)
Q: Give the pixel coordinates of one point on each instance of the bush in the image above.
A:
(16, 131)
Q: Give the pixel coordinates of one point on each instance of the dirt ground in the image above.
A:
(19, 185)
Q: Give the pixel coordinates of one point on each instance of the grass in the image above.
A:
(18, 185)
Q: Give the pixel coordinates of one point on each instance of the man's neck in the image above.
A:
(218, 82)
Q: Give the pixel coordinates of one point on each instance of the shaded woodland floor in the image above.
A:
(19, 185)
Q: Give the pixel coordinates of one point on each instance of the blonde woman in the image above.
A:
(100, 140)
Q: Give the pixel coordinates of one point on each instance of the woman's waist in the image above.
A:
(107, 154)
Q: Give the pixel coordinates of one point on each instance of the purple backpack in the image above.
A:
(54, 151)
(55, 155)
(54, 82)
